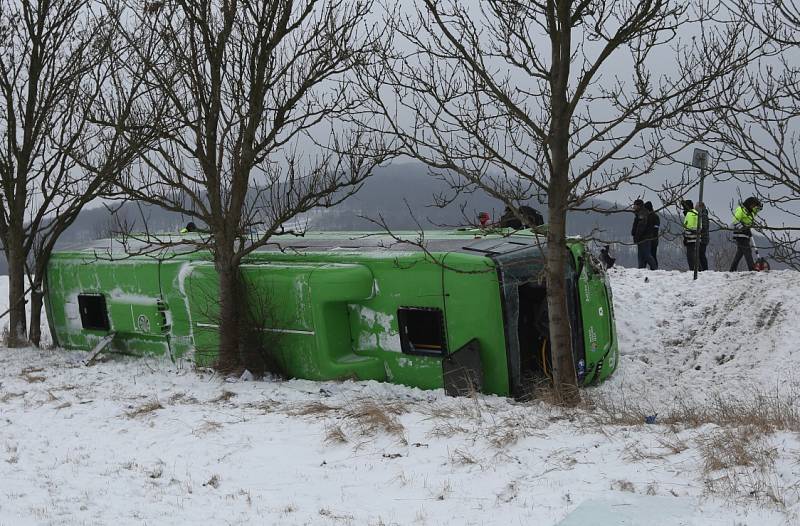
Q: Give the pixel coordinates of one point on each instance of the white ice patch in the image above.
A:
(301, 286)
(377, 330)
(376, 289)
(184, 272)
(375, 319)
(367, 340)
(120, 296)
(73, 313)
(391, 342)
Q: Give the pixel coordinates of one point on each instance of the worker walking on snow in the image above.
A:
(743, 218)
(690, 232)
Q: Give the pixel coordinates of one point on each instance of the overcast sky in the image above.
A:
(719, 196)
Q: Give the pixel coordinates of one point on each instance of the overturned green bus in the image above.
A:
(458, 309)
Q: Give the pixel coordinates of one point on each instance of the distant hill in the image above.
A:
(402, 195)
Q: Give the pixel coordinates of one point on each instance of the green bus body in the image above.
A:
(344, 305)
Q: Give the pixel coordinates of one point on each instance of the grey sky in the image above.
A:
(720, 196)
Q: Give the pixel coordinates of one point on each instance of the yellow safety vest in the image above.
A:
(690, 226)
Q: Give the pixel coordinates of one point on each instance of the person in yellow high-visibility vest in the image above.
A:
(190, 227)
(743, 218)
(691, 234)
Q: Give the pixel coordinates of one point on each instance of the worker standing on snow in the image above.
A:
(690, 232)
(653, 228)
(704, 234)
(743, 218)
(641, 236)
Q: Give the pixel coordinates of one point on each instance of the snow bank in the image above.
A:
(725, 334)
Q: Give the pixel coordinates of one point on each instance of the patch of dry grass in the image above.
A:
(144, 409)
(459, 416)
(764, 411)
(500, 429)
(313, 409)
(334, 434)
(542, 390)
(673, 443)
(448, 428)
(208, 426)
(509, 429)
(32, 378)
(10, 396)
(741, 462)
(636, 452)
(730, 448)
(183, 398)
(732, 438)
(462, 457)
(623, 485)
(371, 417)
(224, 396)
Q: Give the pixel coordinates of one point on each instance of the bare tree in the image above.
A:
(240, 95)
(755, 129)
(558, 100)
(51, 65)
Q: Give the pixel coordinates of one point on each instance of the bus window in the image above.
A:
(422, 331)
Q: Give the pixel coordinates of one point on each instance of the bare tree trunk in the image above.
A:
(37, 299)
(558, 200)
(17, 323)
(564, 378)
(229, 299)
(53, 59)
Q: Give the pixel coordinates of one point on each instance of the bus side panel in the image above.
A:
(131, 299)
(297, 321)
(406, 282)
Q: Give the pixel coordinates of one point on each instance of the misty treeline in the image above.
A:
(241, 115)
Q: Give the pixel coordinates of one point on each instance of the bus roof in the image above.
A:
(474, 241)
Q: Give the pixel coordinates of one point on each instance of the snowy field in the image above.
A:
(151, 442)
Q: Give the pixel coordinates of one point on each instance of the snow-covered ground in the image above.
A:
(147, 441)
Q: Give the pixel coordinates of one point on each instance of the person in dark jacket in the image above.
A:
(702, 211)
(743, 219)
(641, 236)
(530, 215)
(653, 227)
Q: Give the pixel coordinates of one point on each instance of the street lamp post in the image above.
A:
(699, 160)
